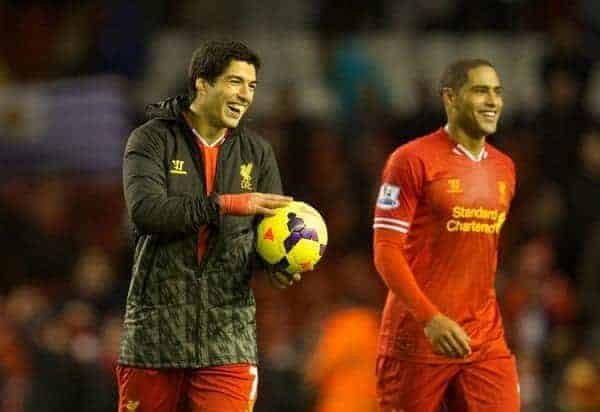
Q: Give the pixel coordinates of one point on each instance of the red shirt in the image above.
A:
(210, 154)
(446, 208)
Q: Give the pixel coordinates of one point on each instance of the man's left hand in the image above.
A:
(284, 280)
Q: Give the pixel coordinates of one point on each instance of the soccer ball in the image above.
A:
(293, 240)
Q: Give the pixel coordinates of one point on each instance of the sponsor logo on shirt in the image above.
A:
(246, 175)
(476, 220)
(177, 167)
(388, 197)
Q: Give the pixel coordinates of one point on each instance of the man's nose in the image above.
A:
(244, 93)
(492, 99)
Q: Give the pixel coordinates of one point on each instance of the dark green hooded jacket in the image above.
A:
(180, 313)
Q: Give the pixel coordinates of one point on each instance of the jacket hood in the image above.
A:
(170, 108)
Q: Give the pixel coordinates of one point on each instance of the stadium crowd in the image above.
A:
(66, 244)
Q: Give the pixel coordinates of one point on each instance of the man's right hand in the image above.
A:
(447, 337)
(256, 203)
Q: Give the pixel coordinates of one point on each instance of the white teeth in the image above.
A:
(238, 108)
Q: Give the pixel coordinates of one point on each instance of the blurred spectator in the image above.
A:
(99, 372)
(280, 372)
(531, 381)
(356, 15)
(541, 213)
(589, 281)
(431, 15)
(25, 305)
(325, 157)
(582, 200)
(119, 42)
(15, 367)
(293, 139)
(542, 14)
(341, 366)
(95, 281)
(29, 26)
(38, 245)
(354, 78)
(538, 299)
(73, 361)
(428, 117)
(581, 385)
(559, 126)
(589, 14)
(565, 71)
(185, 14)
(57, 383)
(567, 54)
(475, 15)
(539, 307)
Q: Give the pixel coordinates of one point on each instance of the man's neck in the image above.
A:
(473, 144)
(199, 122)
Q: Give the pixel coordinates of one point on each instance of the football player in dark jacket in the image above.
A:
(195, 180)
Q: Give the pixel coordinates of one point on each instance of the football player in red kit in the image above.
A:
(440, 209)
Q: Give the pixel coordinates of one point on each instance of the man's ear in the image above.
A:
(201, 86)
(448, 96)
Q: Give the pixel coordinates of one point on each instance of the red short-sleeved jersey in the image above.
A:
(447, 209)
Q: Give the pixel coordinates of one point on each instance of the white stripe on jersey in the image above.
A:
(395, 228)
(482, 154)
(253, 371)
(393, 221)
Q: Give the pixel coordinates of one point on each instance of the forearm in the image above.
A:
(157, 213)
(396, 273)
(150, 207)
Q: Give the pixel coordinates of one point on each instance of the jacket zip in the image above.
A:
(202, 280)
(200, 351)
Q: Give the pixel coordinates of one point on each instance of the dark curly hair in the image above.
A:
(211, 59)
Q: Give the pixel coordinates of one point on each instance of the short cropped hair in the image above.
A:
(457, 73)
(211, 59)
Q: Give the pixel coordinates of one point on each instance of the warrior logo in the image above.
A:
(177, 167)
(132, 405)
(454, 186)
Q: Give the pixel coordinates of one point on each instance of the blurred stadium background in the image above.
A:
(343, 83)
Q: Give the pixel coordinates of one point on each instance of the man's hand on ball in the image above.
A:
(283, 280)
(256, 203)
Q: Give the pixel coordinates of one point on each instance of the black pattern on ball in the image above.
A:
(298, 231)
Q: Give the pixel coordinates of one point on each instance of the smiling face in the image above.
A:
(477, 106)
(226, 100)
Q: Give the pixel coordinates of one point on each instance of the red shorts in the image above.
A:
(214, 389)
(486, 386)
